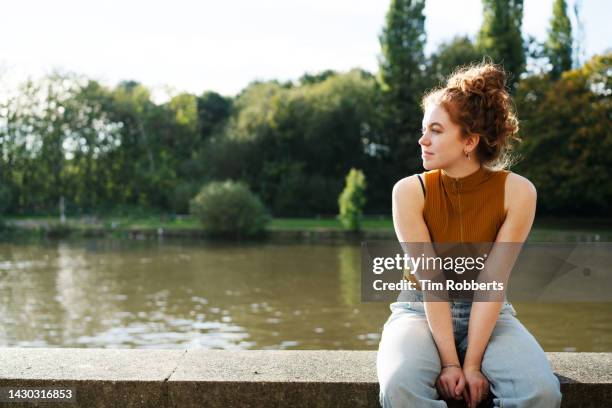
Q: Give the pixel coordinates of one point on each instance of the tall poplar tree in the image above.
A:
(500, 35)
(401, 64)
(558, 47)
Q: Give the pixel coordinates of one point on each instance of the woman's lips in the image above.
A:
(426, 154)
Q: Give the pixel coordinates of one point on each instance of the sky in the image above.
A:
(195, 46)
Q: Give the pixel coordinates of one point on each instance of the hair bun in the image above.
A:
(484, 80)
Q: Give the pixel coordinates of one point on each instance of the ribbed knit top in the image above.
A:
(464, 209)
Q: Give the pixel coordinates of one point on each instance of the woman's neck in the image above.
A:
(462, 170)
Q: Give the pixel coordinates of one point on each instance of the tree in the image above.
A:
(90, 137)
(400, 77)
(309, 79)
(450, 55)
(558, 47)
(213, 109)
(352, 200)
(5, 199)
(294, 146)
(138, 163)
(34, 133)
(567, 141)
(500, 35)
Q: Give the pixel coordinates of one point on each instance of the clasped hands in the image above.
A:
(467, 383)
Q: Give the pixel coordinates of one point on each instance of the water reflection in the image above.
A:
(350, 272)
(105, 293)
(173, 294)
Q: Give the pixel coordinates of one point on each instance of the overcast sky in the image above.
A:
(222, 46)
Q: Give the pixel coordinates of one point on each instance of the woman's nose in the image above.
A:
(423, 140)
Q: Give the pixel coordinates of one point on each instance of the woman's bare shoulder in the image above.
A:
(518, 189)
(408, 184)
(519, 184)
(408, 192)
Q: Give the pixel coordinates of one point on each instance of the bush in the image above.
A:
(352, 200)
(229, 209)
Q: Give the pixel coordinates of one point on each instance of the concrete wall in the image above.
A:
(245, 378)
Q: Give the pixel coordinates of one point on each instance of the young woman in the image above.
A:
(459, 349)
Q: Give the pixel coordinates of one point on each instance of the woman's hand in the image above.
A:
(451, 383)
(476, 386)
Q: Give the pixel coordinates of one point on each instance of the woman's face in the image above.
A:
(441, 143)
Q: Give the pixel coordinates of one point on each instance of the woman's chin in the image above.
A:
(427, 165)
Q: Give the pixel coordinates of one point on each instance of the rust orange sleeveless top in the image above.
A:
(464, 209)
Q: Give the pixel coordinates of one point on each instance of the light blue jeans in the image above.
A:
(408, 363)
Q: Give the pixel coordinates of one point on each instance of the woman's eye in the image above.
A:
(423, 131)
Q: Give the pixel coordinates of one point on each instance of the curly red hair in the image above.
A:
(476, 99)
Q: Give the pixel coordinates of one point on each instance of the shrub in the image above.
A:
(229, 209)
(352, 200)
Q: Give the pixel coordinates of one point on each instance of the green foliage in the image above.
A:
(500, 35)
(352, 200)
(184, 107)
(229, 209)
(294, 146)
(450, 55)
(558, 47)
(113, 149)
(53, 135)
(150, 137)
(184, 191)
(567, 146)
(5, 198)
(309, 79)
(400, 77)
(213, 110)
(402, 43)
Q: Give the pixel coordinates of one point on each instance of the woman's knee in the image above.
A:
(537, 391)
(409, 379)
(404, 387)
(546, 391)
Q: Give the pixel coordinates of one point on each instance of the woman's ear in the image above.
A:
(472, 141)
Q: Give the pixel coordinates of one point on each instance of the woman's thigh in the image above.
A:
(408, 363)
(517, 367)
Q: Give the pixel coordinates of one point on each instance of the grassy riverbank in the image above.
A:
(186, 222)
(45, 225)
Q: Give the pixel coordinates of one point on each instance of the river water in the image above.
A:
(114, 293)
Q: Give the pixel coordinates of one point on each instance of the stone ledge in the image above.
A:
(245, 378)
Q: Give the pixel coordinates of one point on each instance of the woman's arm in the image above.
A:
(408, 203)
(521, 197)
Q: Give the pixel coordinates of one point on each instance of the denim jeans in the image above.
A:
(408, 363)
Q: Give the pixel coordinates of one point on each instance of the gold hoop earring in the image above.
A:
(467, 154)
